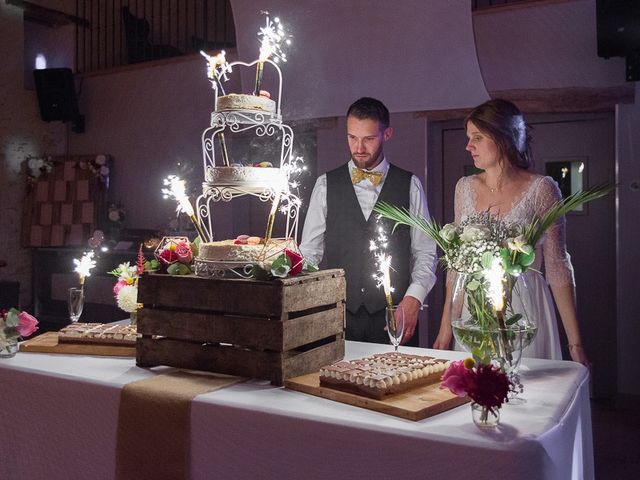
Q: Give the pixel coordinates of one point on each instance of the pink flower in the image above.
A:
(297, 262)
(183, 252)
(119, 284)
(26, 324)
(458, 378)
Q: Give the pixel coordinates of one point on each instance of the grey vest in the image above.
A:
(348, 235)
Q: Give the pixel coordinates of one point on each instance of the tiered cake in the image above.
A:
(238, 122)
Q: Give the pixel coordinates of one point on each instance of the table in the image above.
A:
(59, 416)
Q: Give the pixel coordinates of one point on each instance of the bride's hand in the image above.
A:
(443, 341)
(579, 355)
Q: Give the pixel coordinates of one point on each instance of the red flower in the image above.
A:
(297, 262)
(184, 252)
(168, 256)
(490, 388)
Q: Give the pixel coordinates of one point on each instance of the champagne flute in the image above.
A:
(75, 303)
(395, 325)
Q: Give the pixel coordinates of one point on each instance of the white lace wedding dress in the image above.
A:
(535, 200)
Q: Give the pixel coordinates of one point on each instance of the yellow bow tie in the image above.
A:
(358, 174)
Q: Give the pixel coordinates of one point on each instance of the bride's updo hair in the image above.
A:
(503, 122)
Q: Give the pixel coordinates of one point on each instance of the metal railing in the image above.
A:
(123, 32)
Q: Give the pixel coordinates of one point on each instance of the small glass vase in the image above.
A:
(9, 348)
(133, 318)
(483, 417)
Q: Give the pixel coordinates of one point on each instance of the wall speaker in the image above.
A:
(56, 94)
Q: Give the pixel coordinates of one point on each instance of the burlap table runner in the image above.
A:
(154, 424)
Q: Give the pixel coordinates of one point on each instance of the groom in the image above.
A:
(339, 224)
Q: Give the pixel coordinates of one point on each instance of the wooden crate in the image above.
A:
(270, 330)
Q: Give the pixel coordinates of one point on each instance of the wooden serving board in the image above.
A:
(48, 343)
(417, 404)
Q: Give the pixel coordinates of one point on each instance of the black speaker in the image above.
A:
(56, 94)
(618, 27)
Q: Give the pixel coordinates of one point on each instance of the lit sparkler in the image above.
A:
(217, 69)
(383, 275)
(84, 266)
(272, 36)
(495, 278)
(177, 190)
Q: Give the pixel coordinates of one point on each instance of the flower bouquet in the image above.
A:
(288, 263)
(14, 325)
(176, 255)
(489, 256)
(486, 385)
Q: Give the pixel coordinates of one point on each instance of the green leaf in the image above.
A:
(527, 260)
(473, 285)
(280, 262)
(12, 319)
(259, 273)
(513, 319)
(487, 259)
(178, 269)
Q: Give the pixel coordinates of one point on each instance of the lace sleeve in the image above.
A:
(459, 202)
(557, 262)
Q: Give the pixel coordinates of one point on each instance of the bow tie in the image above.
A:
(358, 174)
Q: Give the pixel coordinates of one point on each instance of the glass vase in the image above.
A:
(483, 417)
(8, 348)
(133, 318)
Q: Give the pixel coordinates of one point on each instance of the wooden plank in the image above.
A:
(416, 404)
(241, 296)
(234, 360)
(251, 332)
(48, 343)
(314, 291)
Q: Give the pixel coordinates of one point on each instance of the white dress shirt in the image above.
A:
(423, 248)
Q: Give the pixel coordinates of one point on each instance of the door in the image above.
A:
(559, 141)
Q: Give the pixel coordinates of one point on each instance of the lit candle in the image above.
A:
(495, 278)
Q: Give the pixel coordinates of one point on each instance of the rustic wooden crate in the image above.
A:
(270, 330)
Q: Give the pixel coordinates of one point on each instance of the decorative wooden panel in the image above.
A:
(65, 205)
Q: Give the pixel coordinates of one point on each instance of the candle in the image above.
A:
(177, 190)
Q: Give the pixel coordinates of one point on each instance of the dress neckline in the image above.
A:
(514, 205)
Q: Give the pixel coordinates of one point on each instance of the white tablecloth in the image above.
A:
(58, 420)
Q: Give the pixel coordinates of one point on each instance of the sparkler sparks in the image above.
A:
(84, 266)
(272, 37)
(217, 69)
(495, 278)
(177, 189)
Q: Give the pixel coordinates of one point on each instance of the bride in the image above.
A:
(499, 143)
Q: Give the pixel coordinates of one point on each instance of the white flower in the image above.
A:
(474, 232)
(101, 160)
(128, 298)
(104, 171)
(448, 232)
(519, 244)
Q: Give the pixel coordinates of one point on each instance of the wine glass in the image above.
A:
(75, 303)
(395, 325)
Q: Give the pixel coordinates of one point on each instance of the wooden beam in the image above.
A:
(47, 16)
(550, 100)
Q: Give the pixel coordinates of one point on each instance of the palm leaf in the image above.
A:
(534, 231)
(402, 216)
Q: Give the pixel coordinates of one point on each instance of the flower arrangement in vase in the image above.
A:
(486, 385)
(489, 257)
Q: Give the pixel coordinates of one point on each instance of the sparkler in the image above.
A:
(84, 266)
(272, 36)
(217, 68)
(383, 275)
(495, 277)
(177, 190)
